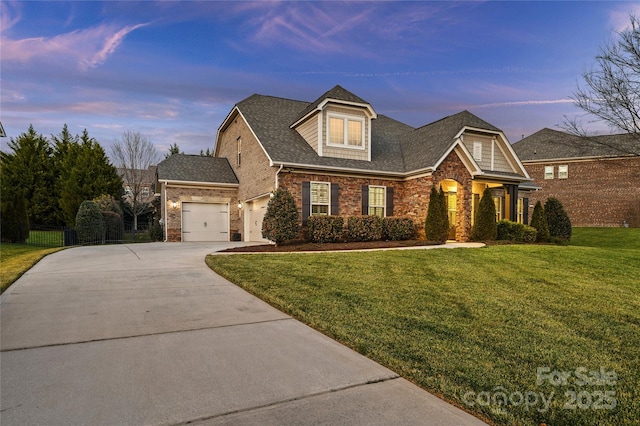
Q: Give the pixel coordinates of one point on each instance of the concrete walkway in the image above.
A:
(147, 334)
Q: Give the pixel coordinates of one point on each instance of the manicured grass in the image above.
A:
(17, 259)
(607, 237)
(45, 238)
(477, 320)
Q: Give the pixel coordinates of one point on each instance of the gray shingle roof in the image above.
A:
(548, 144)
(395, 147)
(196, 168)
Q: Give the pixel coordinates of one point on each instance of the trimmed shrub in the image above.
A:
(436, 226)
(364, 228)
(14, 218)
(558, 220)
(325, 229)
(539, 222)
(89, 223)
(113, 226)
(513, 231)
(485, 227)
(398, 228)
(529, 234)
(280, 221)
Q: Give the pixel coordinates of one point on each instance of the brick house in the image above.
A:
(337, 156)
(596, 178)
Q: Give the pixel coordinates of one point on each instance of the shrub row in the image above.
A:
(518, 232)
(330, 229)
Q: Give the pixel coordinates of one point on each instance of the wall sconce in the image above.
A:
(271, 195)
(240, 206)
(174, 204)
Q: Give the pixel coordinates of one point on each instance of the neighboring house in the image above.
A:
(145, 185)
(596, 178)
(337, 156)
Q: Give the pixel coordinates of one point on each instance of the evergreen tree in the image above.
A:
(88, 174)
(64, 153)
(174, 149)
(539, 221)
(436, 225)
(558, 220)
(89, 223)
(14, 220)
(485, 227)
(28, 169)
(280, 221)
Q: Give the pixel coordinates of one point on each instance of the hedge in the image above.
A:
(325, 229)
(398, 228)
(364, 228)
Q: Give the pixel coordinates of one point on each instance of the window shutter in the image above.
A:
(389, 201)
(306, 201)
(525, 210)
(334, 199)
(365, 199)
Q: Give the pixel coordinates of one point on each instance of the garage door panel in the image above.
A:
(205, 222)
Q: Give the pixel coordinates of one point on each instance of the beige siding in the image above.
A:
(500, 163)
(348, 153)
(309, 131)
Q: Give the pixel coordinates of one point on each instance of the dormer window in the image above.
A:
(345, 131)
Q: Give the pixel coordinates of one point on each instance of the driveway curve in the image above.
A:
(147, 334)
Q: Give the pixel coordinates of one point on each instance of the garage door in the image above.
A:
(205, 222)
(257, 209)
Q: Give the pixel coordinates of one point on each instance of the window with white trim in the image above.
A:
(239, 150)
(145, 192)
(320, 198)
(345, 131)
(563, 172)
(128, 191)
(520, 211)
(497, 201)
(548, 172)
(377, 200)
(477, 151)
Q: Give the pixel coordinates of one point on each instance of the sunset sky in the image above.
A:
(173, 70)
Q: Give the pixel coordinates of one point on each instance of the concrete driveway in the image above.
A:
(147, 334)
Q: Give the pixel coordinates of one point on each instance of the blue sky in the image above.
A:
(173, 70)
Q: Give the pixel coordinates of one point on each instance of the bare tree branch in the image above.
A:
(612, 89)
(134, 154)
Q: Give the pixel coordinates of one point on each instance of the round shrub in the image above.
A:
(113, 226)
(89, 223)
(398, 228)
(280, 221)
(325, 229)
(558, 220)
(485, 227)
(364, 228)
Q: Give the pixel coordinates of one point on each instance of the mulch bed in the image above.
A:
(297, 246)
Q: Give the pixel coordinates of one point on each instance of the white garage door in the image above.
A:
(257, 209)
(205, 222)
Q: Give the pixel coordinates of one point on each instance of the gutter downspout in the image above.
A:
(166, 217)
(278, 173)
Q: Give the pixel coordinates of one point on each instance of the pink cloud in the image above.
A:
(86, 48)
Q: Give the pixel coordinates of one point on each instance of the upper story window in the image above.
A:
(345, 131)
(563, 172)
(477, 151)
(377, 202)
(548, 172)
(239, 150)
(145, 192)
(128, 191)
(320, 198)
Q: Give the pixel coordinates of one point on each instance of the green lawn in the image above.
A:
(467, 324)
(16, 259)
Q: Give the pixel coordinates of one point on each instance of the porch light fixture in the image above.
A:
(174, 204)
(240, 206)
